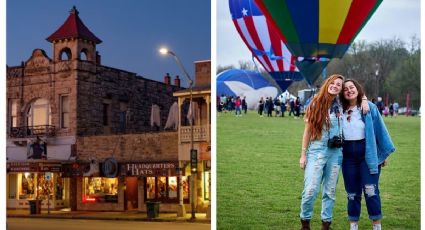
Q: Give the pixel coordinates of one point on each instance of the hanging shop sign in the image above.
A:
(110, 168)
(22, 167)
(149, 169)
(33, 167)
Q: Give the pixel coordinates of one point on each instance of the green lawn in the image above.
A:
(259, 182)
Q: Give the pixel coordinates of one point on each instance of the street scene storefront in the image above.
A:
(43, 181)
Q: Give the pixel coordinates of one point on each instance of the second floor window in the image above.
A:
(39, 113)
(64, 111)
(105, 114)
(13, 111)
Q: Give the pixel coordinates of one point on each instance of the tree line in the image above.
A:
(387, 68)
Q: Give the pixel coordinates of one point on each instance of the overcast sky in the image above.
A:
(393, 18)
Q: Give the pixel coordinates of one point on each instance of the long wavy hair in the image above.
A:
(317, 113)
(345, 103)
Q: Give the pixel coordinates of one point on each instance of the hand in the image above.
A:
(303, 161)
(364, 106)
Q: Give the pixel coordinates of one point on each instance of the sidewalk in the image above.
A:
(125, 216)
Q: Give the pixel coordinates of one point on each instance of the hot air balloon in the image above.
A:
(244, 83)
(317, 30)
(264, 42)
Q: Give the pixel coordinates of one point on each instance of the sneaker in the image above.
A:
(376, 227)
(354, 226)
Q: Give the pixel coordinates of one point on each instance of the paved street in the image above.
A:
(65, 224)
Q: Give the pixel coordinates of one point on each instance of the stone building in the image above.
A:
(87, 136)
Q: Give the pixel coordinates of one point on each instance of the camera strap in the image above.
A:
(339, 129)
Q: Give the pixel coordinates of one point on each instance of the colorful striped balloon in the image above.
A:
(314, 29)
(264, 42)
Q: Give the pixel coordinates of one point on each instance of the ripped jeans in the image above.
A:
(358, 180)
(323, 165)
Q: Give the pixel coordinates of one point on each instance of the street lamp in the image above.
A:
(193, 153)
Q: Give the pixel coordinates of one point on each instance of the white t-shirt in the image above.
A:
(353, 125)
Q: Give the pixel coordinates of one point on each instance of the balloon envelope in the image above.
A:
(243, 83)
(317, 28)
(264, 42)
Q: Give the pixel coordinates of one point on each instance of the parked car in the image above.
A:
(413, 112)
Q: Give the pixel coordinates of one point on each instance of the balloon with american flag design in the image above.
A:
(264, 43)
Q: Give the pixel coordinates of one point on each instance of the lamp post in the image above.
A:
(193, 153)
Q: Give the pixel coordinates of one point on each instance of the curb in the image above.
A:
(44, 216)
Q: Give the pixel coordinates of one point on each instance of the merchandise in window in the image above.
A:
(165, 189)
(27, 188)
(150, 188)
(44, 186)
(100, 189)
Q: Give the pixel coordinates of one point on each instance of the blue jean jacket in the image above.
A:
(378, 141)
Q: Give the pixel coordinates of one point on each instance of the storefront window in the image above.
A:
(185, 183)
(59, 188)
(207, 184)
(45, 186)
(172, 187)
(12, 186)
(100, 189)
(162, 187)
(27, 188)
(165, 189)
(150, 187)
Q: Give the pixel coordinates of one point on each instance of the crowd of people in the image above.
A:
(230, 103)
(265, 106)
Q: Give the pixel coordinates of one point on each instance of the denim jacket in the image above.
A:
(378, 141)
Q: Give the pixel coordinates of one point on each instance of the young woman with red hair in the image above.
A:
(321, 154)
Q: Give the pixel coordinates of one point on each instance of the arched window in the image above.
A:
(39, 113)
(65, 54)
(83, 55)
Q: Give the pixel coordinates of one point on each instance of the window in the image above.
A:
(123, 117)
(39, 113)
(59, 188)
(65, 54)
(64, 111)
(100, 189)
(27, 186)
(12, 186)
(83, 55)
(13, 111)
(105, 114)
(165, 189)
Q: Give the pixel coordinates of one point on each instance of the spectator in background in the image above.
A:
(238, 106)
(244, 105)
(297, 107)
(269, 106)
(380, 105)
(391, 110)
(261, 106)
(277, 106)
(395, 107)
(292, 107)
(282, 107)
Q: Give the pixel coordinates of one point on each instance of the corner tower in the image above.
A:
(73, 40)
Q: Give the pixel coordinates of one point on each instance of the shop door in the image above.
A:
(131, 193)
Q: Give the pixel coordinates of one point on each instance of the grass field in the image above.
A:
(259, 182)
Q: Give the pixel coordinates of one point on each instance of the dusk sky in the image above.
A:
(393, 18)
(132, 31)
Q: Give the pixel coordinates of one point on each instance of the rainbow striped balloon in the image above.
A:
(318, 29)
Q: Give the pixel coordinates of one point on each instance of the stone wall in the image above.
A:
(89, 86)
(146, 147)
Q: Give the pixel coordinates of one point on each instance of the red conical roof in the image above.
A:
(73, 27)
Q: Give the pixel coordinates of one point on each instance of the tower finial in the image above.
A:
(74, 10)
